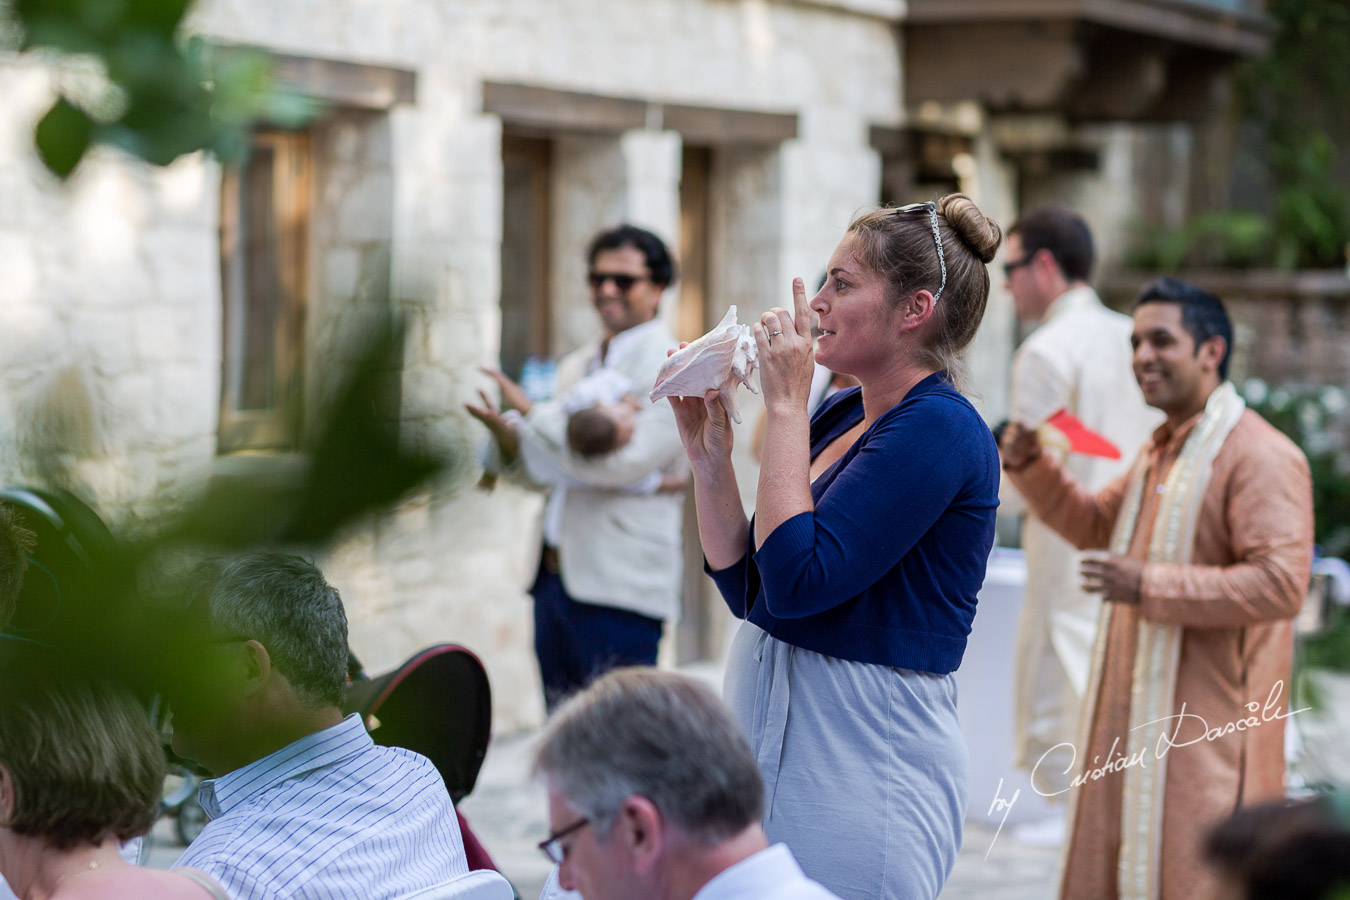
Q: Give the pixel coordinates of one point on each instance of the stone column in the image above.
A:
(988, 179)
(652, 199)
(590, 184)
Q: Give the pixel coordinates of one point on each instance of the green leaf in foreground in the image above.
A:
(63, 136)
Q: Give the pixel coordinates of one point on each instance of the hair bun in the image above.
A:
(976, 230)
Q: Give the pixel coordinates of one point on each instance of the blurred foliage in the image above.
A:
(1236, 240)
(356, 464)
(126, 77)
(1300, 95)
(1295, 99)
(134, 83)
(86, 597)
(1331, 649)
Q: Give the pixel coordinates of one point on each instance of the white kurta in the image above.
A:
(1079, 359)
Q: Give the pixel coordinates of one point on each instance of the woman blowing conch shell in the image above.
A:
(858, 574)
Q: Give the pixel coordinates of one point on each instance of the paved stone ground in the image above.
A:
(1009, 871)
(509, 813)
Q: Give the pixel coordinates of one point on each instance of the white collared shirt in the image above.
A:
(771, 874)
(622, 342)
(332, 815)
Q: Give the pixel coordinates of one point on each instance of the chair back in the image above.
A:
(76, 587)
(438, 704)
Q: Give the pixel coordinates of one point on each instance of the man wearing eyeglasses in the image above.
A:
(609, 572)
(1077, 359)
(653, 792)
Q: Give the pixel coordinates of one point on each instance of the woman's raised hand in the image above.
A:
(704, 427)
(786, 353)
(502, 431)
(513, 396)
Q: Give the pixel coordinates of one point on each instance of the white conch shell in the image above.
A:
(719, 360)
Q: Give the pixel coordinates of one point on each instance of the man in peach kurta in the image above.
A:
(1211, 534)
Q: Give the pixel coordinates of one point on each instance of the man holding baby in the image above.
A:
(609, 570)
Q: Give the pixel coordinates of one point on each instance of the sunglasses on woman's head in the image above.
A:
(931, 208)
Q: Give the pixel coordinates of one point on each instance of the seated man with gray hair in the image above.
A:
(304, 804)
(653, 792)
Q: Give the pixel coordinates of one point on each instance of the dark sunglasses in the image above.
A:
(623, 283)
(1011, 267)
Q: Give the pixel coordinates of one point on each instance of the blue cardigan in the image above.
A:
(886, 568)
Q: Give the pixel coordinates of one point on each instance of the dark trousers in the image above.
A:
(578, 642)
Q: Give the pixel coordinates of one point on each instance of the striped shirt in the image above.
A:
(332, 815)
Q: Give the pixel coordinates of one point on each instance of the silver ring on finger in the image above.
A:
(774, 334)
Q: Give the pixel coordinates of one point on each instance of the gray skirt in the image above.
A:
(866, 773)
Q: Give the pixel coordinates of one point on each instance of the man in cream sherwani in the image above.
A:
(609, 571)
(1077, 359)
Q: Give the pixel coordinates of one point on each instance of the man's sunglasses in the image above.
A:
(623, 283)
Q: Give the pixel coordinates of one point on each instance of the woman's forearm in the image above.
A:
(722, 525)
(784, 471)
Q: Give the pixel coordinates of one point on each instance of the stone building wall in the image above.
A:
(453, 563)
(990, 180)
(109, 316)
(110, 286)
(111, 311)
